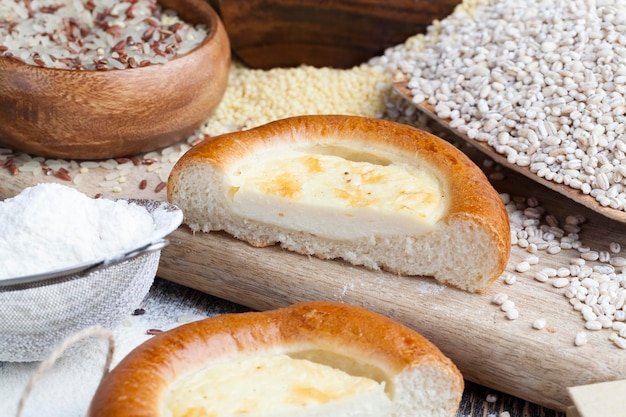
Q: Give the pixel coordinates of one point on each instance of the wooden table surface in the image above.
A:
(599, 230)
(177, 266)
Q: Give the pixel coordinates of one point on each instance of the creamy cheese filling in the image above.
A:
(336, 196)
(276, 385)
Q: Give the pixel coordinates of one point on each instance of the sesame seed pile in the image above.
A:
(541, 81)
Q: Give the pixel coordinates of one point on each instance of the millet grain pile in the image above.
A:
(255, 97)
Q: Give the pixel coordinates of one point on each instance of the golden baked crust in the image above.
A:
(470, 198)
(137, 385)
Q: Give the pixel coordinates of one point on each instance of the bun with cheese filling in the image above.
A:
(371, 192)
(314, 358)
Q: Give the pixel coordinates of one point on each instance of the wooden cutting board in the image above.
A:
(507, 355)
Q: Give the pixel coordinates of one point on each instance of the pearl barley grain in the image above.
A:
(532, 260)
(620, 342)
(539, 324)
(615, 247)
(512, 314)
(541, 276)
(560, 282)
(522, 267)
(507, 305)
(499, 298)
(509, 278)
(593, 325)
(551, 75)
(581, 338)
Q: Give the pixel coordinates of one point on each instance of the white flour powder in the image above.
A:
(50, 226)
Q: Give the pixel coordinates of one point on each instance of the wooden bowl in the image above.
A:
(340, 34)
(91, 114)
